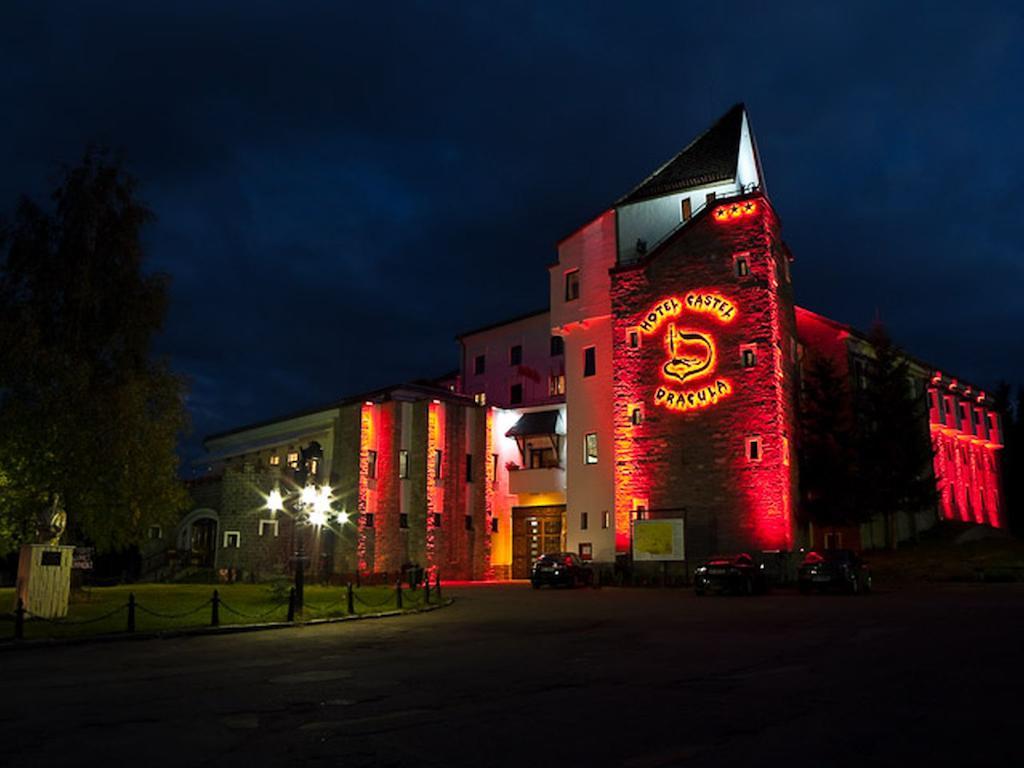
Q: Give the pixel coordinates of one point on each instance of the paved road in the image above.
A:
(509, 676)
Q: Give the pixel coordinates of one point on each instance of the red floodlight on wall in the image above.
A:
(735, 210)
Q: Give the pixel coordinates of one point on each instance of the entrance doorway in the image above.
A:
(204, 542)
(535, 531)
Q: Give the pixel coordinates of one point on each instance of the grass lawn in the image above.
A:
(952, 552)
(103, 611)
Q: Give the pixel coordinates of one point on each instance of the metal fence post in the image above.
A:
(19, 620)
(398, 594)
(351, 599)
(131, 611)
(215, 609)
(291, 604)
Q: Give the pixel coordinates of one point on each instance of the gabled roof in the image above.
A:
(708, 159)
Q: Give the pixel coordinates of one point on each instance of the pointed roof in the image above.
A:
(710, 158)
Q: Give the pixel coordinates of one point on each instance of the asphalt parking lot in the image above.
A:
(509, 676)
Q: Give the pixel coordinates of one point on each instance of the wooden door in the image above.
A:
(535, 531)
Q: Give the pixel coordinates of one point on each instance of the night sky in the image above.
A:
(343, 188)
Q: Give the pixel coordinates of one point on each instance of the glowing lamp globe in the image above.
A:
(274, 501)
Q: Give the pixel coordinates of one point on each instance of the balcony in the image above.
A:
(541, 480)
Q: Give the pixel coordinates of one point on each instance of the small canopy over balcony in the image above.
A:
(533, 433)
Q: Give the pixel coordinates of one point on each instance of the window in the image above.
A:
(590, 361)
(515, 394)
(403, 520)
(557, 346)
(556, 384)
(753, 449)
(232, 539)
(606, 519)
(494, 525)
(572, 285)
(438, 459)
(636, 415)
(590, 448)
(740, 265)
(686, 209)
(639, 509)
(368, 520)
(469, 522)
(633, 338)
(435, 519)
(293, 459)
(275, 460)
(515, 355)
(494, 468)
(403, 464)
(710, 197)
(156, 532)
(268, 528)
(480, 398)
(833, 540)
(479, 364)
(785, 451)
(584, 520)
(469, 467)
(586, 551)
(542, 458)
(371, 464)
(748, 355)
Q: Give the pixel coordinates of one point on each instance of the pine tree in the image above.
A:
(85, 409)
(896, 466)
(827, 447)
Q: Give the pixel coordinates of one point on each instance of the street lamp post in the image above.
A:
(308, 508)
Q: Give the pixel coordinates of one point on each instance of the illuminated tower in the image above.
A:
(688, 392)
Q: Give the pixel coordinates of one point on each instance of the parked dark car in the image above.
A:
(839, 570)
(735, 574)
(560, 569)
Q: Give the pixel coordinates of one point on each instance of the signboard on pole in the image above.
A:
(658, 540)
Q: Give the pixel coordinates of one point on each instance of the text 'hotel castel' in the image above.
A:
(662, 381)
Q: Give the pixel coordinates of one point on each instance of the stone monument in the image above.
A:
(44, 569)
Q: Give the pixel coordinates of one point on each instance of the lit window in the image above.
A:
(479, 364)
(232, 539)
(753, 448)
(748, 355)
(584, 520)
(480, 398)
(275, 460)
(156, 532)
(557, 346)
(494, 468)
(590, 448)
(639, 509)
(515, 355)
(633, 338)
(371, 464)
(403, 464)
(556, 384)
(785, 451)
(636, 415)
(740, 265)
(572, 285)
(293, 459)
(268, 528)
(606, 519)
(438, 459)
(590, 361)
(469, 467)
(586, 551)
(686, 209)
(515, 394)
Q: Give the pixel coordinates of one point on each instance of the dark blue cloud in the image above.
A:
(341, 188)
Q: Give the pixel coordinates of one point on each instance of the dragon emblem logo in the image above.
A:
(691, 354)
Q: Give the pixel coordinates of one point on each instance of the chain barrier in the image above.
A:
(389, 599)
(144, 609)
(70, 623)
(257, 616)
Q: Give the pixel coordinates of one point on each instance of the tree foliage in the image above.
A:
(895, 447)
(827, 447)
(85, 409)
